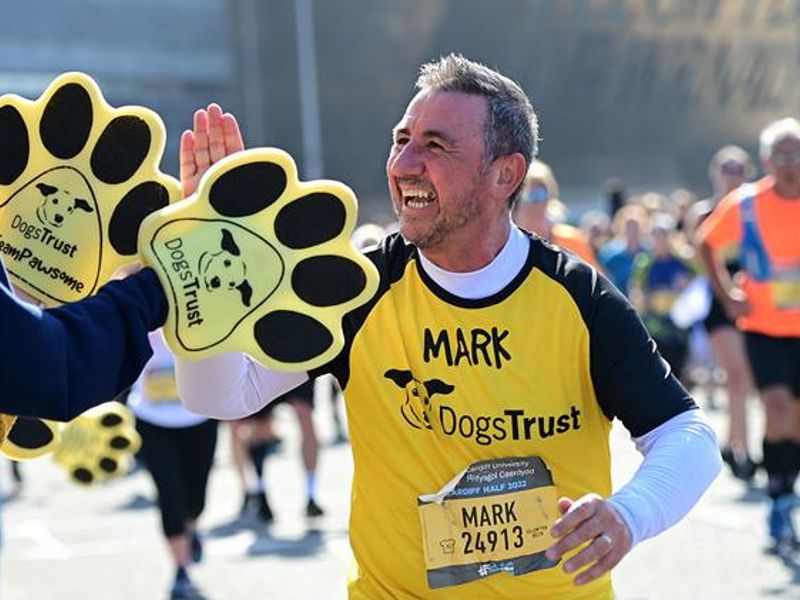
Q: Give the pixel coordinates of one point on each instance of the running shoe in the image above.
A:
(183, 589)
(264, 511)
(244, 512)
(196, 547)
(741, 465)
(781, 524)
(313, 509)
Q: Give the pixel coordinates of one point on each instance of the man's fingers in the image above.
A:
(187, 152)
(564, 504)
(600, 546)
(201, 153)
(587, 530)
(576, 514)
(216, 139)
(188, 167)
(214, 136)
(602, 566)
(233, 135)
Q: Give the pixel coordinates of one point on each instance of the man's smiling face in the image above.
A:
(437, 169)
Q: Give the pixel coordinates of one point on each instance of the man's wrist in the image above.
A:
(625, 516)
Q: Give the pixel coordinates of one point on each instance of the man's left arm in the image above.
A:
(633, 383)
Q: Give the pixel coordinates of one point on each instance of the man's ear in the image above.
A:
(509, 172)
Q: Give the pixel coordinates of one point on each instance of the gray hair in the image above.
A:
(511, 124)
(776, 131)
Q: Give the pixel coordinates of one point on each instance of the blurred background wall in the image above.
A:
(645, 90)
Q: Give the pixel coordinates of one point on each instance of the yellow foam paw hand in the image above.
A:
(77, 177)
(98, 445)
(259, 262)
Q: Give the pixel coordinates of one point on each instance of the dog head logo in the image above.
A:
(226, 269)
(57, 205)
(417, 405)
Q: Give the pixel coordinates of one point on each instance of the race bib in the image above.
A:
(785, 286)
(493, 518)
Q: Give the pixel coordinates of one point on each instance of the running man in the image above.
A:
(728, 169)
(482, 379)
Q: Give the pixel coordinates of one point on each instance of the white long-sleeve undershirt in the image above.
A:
(681, 460)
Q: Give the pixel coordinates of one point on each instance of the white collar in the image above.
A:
(487, 280)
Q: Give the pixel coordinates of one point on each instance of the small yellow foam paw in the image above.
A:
(98, 445)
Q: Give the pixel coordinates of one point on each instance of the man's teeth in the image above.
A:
(419, 198)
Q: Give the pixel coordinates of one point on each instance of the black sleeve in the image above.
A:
(631, 380)
(59, 362)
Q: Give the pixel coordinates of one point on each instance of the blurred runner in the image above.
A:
(764, 219)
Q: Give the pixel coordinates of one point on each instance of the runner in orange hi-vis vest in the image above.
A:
(763, 219)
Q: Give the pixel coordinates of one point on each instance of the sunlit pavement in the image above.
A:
(65, 542)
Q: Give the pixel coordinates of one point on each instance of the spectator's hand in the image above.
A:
(589, 519)
(215, 136)
(736, 304)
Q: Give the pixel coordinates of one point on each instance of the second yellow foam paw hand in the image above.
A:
(99, 444)
(259, 262)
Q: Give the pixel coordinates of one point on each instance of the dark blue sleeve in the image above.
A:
(57, 363)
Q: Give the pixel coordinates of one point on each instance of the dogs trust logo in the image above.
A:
(416, 408)
(209, 268)
(58, 205)
(226, 269)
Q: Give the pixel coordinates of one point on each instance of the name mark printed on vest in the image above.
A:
(473, 347)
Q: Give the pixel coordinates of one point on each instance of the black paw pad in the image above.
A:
(14, 145)
(291, 337)
(310, 221)
(247, 189)
(30, 438)
(328, 280)
(67, 121)
(121, 149)
(143, 200)
(31, 433)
